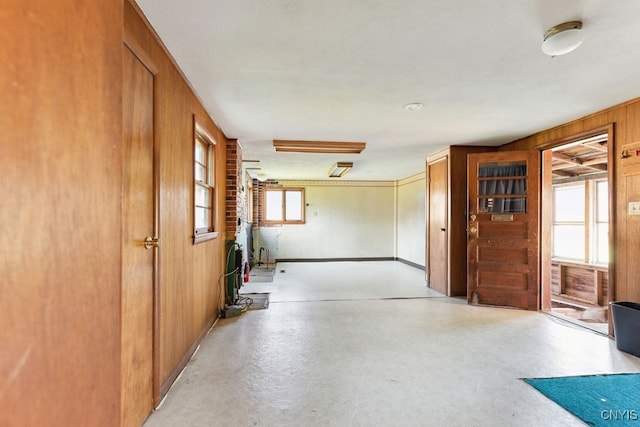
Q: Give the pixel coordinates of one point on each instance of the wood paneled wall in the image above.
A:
(626, 246)
(188, 283)
(586, 283)
(60, 202)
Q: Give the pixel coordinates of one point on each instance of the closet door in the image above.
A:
(437, 235)
(139, 242)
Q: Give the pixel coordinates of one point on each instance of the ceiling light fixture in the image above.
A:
(563, 38)
(414, 106)
(330, 147)
(340, 169)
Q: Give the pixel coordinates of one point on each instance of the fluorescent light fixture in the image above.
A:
(340, 169)
(563, 38)
(330, 147)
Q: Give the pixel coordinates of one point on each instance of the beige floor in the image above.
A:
(367, 344)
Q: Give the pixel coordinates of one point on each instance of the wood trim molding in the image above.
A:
(140, 53)
(613, 184)
(420, 176)
(577, 136)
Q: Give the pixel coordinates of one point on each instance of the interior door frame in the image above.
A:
(546, 200)
(146, 60)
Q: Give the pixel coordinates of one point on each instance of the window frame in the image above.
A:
(202, 137)
(596, 220)
(589, 223)
(283, 207)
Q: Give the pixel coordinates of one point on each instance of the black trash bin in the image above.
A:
(626, 326)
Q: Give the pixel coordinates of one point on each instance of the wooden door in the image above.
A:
(137, 258)
(437, 247)
(503, 254)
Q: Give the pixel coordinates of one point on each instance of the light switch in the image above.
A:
(634, 208)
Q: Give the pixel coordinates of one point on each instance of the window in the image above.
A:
(204, 186)
(581, 221)
(284, 205)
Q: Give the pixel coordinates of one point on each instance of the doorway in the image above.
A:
(139, 242)
(576, 190)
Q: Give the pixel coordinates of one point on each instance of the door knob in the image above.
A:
(473, 230)
(473, 217)
(151, 242)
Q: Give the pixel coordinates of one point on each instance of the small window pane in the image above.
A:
(502, 205)
(202, 195)
(569, 204)
(202, 218)
(502, 169)
(200, 173)
(293, 206)
(200, 151)
(497, 180)
(568, 241)
(502, 187)
(274, 205)
(602, 210)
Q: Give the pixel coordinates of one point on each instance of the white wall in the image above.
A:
(344, 219)
(411, 219)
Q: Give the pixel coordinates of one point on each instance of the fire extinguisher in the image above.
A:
(246, 272)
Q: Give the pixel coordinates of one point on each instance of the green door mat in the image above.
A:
(598, 400)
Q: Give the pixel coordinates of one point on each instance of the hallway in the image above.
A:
(366, 343)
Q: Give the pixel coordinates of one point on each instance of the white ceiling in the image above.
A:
(343, 70)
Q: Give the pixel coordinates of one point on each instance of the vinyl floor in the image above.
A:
(368, 344)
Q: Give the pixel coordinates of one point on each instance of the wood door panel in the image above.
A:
(503, 259)
(437, 249)
(137, 261)
(503, 279)
(503, 255)
(503, 230)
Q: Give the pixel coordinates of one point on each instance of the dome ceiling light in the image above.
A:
(563, 38)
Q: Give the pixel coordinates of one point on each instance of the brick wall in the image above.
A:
(232, 189)
(257, 202)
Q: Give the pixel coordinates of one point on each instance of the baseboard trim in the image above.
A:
(334, 259)
(404, 261)
(412, 264)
